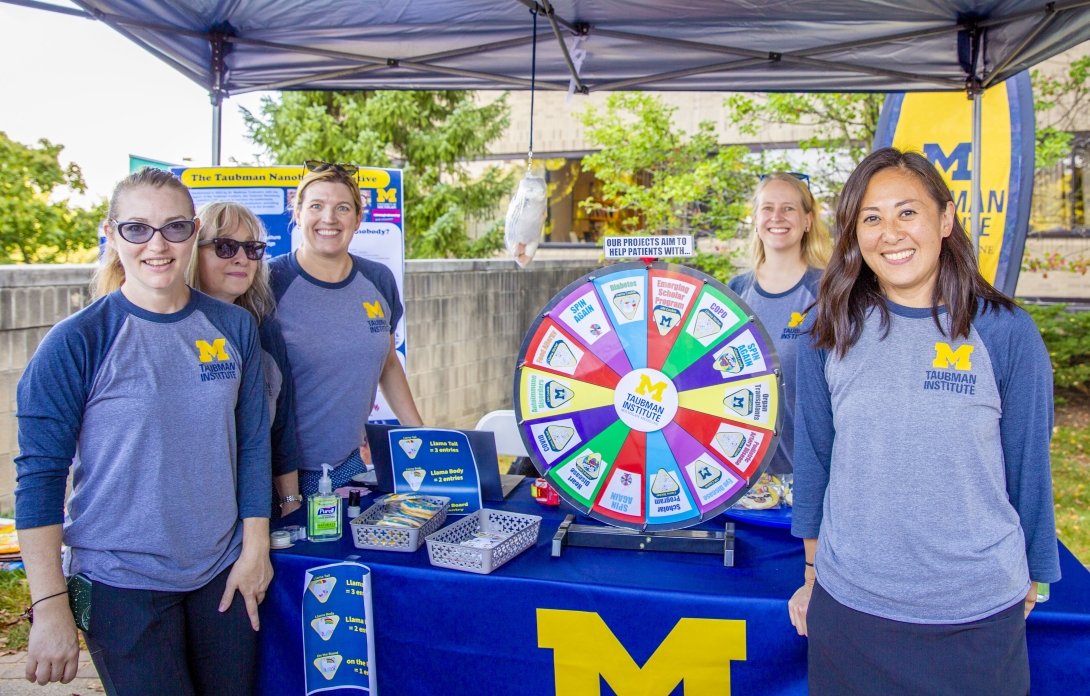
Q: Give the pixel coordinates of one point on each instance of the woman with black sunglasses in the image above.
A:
(154, 397)
(228, 264)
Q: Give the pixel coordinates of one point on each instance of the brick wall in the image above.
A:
(465, 324)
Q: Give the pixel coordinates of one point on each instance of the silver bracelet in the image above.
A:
(291, 499)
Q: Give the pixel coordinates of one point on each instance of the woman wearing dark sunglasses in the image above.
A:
(228, 264)
(338, 313)
(159, 389)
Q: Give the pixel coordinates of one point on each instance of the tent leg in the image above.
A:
(217, 130)
(976, 201)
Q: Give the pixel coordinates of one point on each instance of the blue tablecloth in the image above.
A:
(448, 632)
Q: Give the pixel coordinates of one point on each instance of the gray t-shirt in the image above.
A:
(338, 338)
(168, 414)
(782, 314)
(922, 466)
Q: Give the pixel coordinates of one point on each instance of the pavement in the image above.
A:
(13, 679)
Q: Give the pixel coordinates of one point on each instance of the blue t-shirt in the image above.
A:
(338, 338)
(280, 392)
(165, 418)
(782, 314)
(922, 466)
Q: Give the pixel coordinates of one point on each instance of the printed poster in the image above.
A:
(338, 650)
(433, 461)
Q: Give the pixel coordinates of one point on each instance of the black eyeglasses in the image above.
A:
(798, 175)
(227, 248)
(320, 166)
(141, 232)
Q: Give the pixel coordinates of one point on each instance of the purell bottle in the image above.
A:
(324, 511)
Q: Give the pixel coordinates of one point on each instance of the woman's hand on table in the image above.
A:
(252, 572)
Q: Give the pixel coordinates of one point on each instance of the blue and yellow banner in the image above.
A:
(940, 125)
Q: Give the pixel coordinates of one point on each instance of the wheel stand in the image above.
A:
(679, 541)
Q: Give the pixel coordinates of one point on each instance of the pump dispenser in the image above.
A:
(324, 518)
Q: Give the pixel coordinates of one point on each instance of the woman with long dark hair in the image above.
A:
(922, 482)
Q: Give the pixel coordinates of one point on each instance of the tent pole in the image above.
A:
(976, 199)
(217, 130)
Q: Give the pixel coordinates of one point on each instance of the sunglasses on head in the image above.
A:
(141, 232)
(320, 166)
(227, 248)
(798, 175)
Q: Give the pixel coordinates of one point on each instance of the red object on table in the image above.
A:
(543, 493)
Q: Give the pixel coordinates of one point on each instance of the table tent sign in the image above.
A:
(940, 125)
(338, 650)
(649, 396)
(269, 193)
(434, 461)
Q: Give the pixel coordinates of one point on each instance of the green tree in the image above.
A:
(661, 180)
(843, 127)
(428, 134)
(34, 228)
(1058, 101)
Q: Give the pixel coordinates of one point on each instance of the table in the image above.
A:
(445, 632)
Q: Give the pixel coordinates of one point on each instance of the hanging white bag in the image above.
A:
(525, 219)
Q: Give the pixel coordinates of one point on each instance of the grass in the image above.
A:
(14, 598)
(1070, 476)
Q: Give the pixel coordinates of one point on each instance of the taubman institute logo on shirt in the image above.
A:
(215, 363)
(792, 330)
(958, 380)
(376, 318)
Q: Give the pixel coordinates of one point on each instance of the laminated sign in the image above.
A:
(338, 650)
(431, 461)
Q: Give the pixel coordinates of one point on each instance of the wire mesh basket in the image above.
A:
(367, 535)
(445, 546)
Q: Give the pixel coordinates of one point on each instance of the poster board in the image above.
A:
(338, 647)
(269, 193)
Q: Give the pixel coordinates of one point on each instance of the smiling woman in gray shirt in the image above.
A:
(922, 482)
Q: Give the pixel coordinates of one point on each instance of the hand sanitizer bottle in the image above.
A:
(324, 511)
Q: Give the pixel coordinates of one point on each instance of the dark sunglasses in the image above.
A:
(141, 232)
(798, 175)
(227, 248)
(320, 166)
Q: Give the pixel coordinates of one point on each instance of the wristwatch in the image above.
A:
(291, 499)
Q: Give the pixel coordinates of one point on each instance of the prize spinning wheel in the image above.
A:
(649, 396)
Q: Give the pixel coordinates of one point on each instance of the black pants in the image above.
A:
(171, 643)
(851, 652)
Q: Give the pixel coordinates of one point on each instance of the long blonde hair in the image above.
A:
(220, 217)
(817, 243)
(110, 274)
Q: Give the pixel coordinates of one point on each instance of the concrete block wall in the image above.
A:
(465, 323)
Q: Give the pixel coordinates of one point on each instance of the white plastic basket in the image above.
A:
(445, 549)
(367, 535)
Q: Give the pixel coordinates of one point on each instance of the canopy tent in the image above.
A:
(236, 46)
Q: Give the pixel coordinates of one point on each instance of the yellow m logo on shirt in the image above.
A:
(374, 310)
(647, 387)
(945, 357)
(698, 651)
(213, 351)
(796, 319)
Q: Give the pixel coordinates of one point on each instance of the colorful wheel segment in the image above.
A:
(649, 396)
